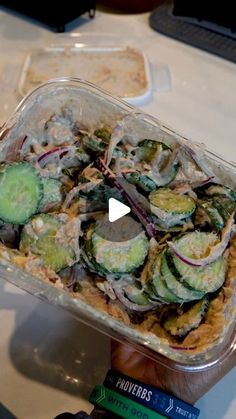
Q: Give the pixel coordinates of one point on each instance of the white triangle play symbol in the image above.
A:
(116, 210)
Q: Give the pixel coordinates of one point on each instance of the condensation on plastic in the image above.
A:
(92, 106)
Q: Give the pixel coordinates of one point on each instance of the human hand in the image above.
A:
(187, 386)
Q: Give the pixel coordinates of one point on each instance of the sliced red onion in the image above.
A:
(12, 150)
(187, 165)
(183, 348)
(194, 178)
(116, 137)
(143, 217)
(215, 252)
(164, 176)
(130, 305)
(140, 199)
(70, 283)
(126, 171)
(197, 158)
(117, 167)
(23, 141)
(157, 158)
(172, 159)
(191, 172)
(119, 132)
(91, 215)
(199, 184)
(107, 289)
(75, 191)
(57, 152)
(185, 189)
(166, 219)
(77, 273)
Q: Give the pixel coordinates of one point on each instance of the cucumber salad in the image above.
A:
(172, 278)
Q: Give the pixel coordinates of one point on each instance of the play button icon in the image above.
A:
(116, 210)
(114, 218)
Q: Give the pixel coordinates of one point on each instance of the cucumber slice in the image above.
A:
(175, 229)
(87, 255)
(93, 143)
(120, 257)
(42, 237)
(52, 195)
(159, 285)
(21, 191)
(170, 207)
(212, 212)
(91, 265)
(142, 181)
(207, 278)
(136, 295)
(104, 134)
(172, 203)
(161, 179)
(152, 293)
(225, 206)
(175, 286)
(221, 191)
(181, 325)
(215, 210)
(147, 149)
(101, 195)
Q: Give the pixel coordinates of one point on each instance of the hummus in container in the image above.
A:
(122, 71)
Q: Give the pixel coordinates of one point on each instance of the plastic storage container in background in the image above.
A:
(123, 71)
(93, 107)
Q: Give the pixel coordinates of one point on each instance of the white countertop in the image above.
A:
(48, 361)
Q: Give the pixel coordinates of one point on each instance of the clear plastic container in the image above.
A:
(92, 107)
(123, 71)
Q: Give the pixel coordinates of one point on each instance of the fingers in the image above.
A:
(189, 386)
(127, 361)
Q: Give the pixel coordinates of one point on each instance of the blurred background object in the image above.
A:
(130, 6)
(199, 24)
(54, 15)
(203, 10)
